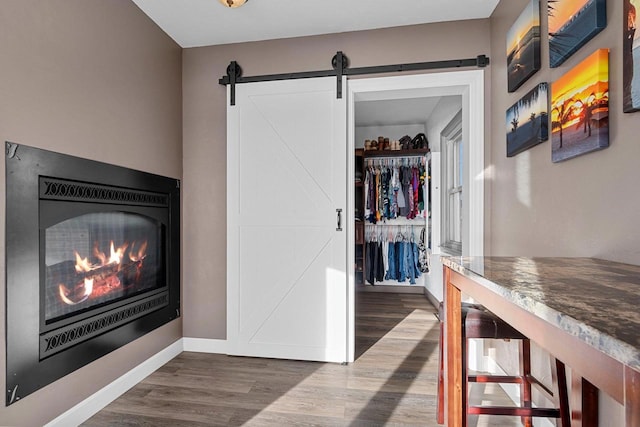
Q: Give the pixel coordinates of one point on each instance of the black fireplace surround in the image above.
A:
(92, 262)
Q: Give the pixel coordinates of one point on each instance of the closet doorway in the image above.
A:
(445, 94)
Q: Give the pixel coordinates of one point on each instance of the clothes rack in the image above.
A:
(392, 233)
(416, 160)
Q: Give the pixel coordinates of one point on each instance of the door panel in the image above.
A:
(286, 262)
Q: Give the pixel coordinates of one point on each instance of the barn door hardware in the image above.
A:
(233, 72)
(340, 64)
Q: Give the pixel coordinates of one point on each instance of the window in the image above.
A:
(452, 159)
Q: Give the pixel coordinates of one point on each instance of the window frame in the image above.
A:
(452, 148)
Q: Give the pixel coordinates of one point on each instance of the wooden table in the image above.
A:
(584, 311)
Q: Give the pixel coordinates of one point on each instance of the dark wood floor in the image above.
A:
(392, 382)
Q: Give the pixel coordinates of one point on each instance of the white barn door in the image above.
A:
(286, 260)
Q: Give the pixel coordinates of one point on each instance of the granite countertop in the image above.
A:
(596, 300)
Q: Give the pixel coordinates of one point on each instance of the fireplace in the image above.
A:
(92, 256)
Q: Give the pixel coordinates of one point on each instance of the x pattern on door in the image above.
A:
(289, 298)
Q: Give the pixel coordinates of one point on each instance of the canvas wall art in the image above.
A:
(528, 121)
(572, 23)
(580, 108)
(631, 57)
(523, 46)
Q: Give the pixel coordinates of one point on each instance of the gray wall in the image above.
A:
(586, 206)
(204, 150)
(95, 79)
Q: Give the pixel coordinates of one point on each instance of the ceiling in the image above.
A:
(395, 111)
(194, 23)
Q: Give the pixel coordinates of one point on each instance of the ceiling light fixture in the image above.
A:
(233, 3)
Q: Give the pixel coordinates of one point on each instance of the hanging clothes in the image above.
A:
(370, 211)
(401, 260)
(421, 183)
(367, 205)
(394, 187)
(374, 264)
(414, 193)
(393, 255)
(371, 262)
(385, 178)
(392, 261)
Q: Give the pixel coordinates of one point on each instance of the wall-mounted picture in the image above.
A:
(528, 121)
(572, 23)
(631, 57)
(523, 46)
(580, 108)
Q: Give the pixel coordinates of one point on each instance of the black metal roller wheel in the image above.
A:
(334, 62)
(237, 68)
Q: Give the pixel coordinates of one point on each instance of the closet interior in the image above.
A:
(396, 200)
(392, 215)
(382, 227)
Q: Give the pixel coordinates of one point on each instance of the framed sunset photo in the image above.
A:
(528, 121)
(572, 23)
(631, 57)
(523, 46)
(580, 108)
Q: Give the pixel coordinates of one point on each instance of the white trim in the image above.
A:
(203, 345)
(350, 225)
(233, 209)
(98, 400)
(474, 116)
(469, 84)
(449, 135)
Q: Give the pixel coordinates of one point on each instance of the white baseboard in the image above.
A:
(394, 289)
(203, 345)
(432, 299)
(94, 403)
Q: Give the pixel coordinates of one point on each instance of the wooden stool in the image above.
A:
(479, 323)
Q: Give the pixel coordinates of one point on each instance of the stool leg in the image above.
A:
(559, 378)
(465, 375)
(440, 391)
(584, 402)
(525, 385)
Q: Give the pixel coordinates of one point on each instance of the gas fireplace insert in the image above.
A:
(92, 262)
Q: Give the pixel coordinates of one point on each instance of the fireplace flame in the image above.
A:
(115, 254)
(82, 264)
(100, 278)
(138, 256)
(66, 294)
